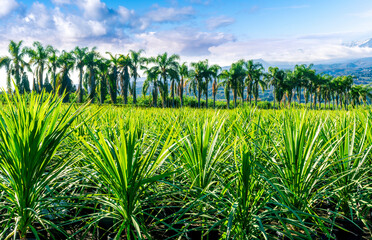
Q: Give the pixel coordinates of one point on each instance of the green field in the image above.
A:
(90, 172)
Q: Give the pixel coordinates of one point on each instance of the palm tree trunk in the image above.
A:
(134, 88)
(8, 82)
(164, 91)
(111, 83)
(214, 91)
(227, 94)
(243, 96)
(54, 81)
(256, 94)
(80, 88)
(199, 95)
(41, 78)
(181, 92)
(92, 85)
(123, 88)
(206, 93)
(248, 96)
(17, 76)
(346, 103)
(125, 85)
(102, 91)
(214, 100)
(172, 93)
(320, 101)
(155, 94)
(234, 95)
(33, 84)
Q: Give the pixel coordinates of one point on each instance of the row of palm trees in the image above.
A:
(165, 74)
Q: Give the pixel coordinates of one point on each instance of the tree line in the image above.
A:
(168, 79)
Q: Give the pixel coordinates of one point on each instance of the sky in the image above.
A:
(296, 31)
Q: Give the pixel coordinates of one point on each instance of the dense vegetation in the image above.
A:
(86, 172)
(168, 81)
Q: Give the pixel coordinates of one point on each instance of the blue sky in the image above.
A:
(222, 31)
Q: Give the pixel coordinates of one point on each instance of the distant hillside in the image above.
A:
(360, 68)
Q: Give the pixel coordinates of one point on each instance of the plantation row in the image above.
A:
(120, 173)
(167, 79)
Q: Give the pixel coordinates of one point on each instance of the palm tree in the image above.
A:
(102, 72)
(165, 65)
(25, 84)
(113, 77)
(237, 75)
(258, 81)
(198, 75)
(355, 94)
(254, 72)
(175, 80)
(52, 66)
(39, 57)
(288, 85)
(313, 86)
(66, 62)
(365, 92)
(347, 82)
(6, 62)
(183, 71)
(16, 55)
(137, 62)
(326, 89)
(80, 54)
(301, 73)
(225, 76)
(145, 88)
(279, 90)
(90, 61)
(124, 64)
(211, 73)
(273, 78)
(152, 78)
(214, 72)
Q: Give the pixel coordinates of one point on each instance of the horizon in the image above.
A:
(285, 32)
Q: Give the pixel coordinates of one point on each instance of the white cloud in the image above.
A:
(61, 2)
(93, 9)
(7, 6)
(74, 28)
(185, 42)
(39, 15)
(125, 14)
(162, 14)
(295, 50)
(221, 21)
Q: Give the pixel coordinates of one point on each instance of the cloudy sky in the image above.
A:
(222, 31)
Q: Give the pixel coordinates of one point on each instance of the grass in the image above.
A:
(182, 174)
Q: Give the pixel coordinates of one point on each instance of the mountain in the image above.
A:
(367, 43)
(363, 44)
(360, 68)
